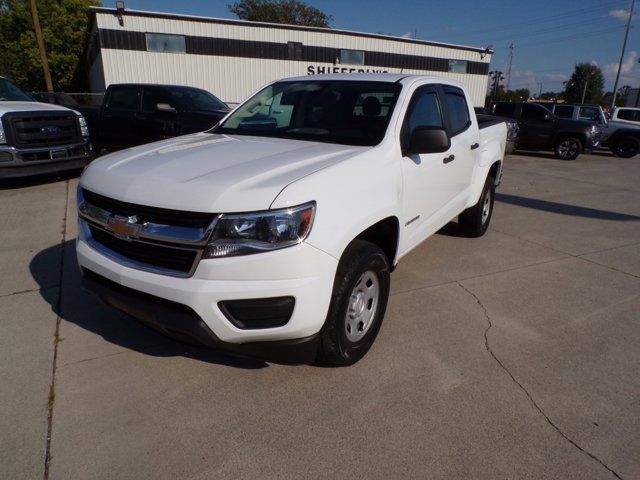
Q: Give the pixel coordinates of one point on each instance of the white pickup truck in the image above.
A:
(37, 137)
(274, 234)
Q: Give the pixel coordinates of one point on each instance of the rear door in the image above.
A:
(465, 145)
(118, 118)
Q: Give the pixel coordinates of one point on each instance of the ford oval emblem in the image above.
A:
(50, 130)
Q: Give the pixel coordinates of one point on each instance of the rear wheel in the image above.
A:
(626, 147)
(568, 148)
(474, 221)
(358, 304)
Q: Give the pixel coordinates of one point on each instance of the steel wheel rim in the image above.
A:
(363, 302)
(486, 207)
(568, 148)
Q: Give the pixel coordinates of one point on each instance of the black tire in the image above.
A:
(359, 260)
(474, 221)
(626, 147)
(568, 148)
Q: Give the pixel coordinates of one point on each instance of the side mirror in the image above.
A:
(165, 107)
(429, 140)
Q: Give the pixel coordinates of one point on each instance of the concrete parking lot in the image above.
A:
(511, 356)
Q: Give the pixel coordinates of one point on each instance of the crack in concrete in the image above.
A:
(56, 341)
(19, 292)
(525, 391)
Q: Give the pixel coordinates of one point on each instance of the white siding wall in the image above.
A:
(232, 79)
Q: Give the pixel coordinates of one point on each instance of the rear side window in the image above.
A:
(457, 110)
(626, 114)
(124, 98)
(425, 111)
(505, 109)
(563, 111)
(589, 113)
(534, 112)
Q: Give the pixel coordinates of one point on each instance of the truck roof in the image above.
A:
(371, 77)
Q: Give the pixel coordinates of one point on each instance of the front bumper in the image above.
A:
(183, 324)
(21, 162)
(302, 272)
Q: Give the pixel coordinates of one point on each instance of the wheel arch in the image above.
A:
(385, 234)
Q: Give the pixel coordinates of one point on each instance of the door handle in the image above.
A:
(475, 145)
(448, 159)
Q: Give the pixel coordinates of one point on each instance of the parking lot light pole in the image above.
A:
(41, 47)
(624, 46)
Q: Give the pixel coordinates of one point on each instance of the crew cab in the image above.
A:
(274, 234)
(134, 114)
(540, 129)
(38, 138)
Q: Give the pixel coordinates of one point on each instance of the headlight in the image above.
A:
(244, 234)
(3, 138)
(84, 128)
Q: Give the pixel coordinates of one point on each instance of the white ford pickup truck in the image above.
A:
(274, 234)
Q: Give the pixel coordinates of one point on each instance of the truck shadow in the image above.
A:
(75, 306)
(564, 209)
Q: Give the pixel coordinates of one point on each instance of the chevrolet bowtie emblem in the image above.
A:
(125, 228)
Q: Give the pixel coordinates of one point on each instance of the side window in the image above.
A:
(534, 112)
(425, 111)
(563, 111)
(152, 97)
(457, 110)
(505, 109)
(589, 113)
(626, 114)
(126, 98)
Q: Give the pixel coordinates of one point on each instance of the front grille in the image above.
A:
(162, 216)
(41, 129)
(166, 257)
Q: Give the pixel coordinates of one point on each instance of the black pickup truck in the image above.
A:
(542, 130)
(134, 114)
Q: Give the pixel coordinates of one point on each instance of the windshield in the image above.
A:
(344, 112)
(194, 99)
(10, 93)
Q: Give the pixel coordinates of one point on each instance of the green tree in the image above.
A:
(585, 74)
(64, 29)
(292, 12)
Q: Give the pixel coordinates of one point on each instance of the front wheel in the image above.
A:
(358, 304)
(568, 148)
(626, 147)
(474, 221)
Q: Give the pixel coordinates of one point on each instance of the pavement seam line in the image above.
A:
(473, 277)
(607, 266)
(31, 290)
(526, 392)
(56, 341)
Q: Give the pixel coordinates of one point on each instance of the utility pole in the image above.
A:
(496, 75)
(41, 47)
(584, 89)
(624, 46)
(511, 47)
(540, 92)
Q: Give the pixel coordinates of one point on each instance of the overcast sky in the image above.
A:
(550, 36)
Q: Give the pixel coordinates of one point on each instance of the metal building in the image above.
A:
(233, 58)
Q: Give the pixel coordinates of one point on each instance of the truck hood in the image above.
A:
(6, 107)
(210, 173)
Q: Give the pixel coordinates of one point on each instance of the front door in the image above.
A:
(428, 184)
(536, 126)
(118, 118)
